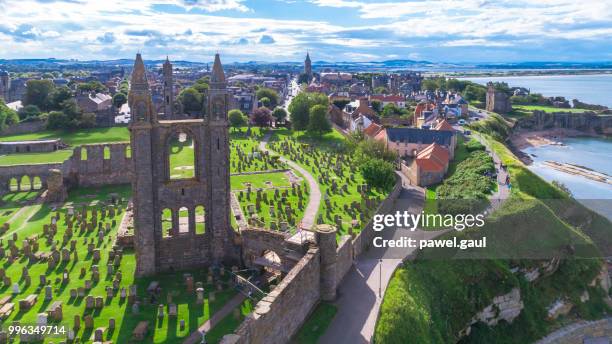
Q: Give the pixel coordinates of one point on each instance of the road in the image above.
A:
(359, 293)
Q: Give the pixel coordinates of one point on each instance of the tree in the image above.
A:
(8, 116)
(318, 123)
(119, 99)
(88, 120)
(261, 117)
(57, 120)
(29, 112)
(236, 119)
(92, 86)
(57, 96)
(265, 101)
(279, 114)
(299, 108)
(391, 110)
(381, 90)
(376, 105)
(373, 149)
(341, 103)
(191, 100)
(378, 173)
(201, 87)
(37, 93)
(429, 85)
(269, 93)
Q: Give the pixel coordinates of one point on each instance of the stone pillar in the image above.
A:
(326, 239)
(56, 190)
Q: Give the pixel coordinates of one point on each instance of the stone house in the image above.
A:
(429, 166)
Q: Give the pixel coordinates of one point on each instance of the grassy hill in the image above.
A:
(431, 299)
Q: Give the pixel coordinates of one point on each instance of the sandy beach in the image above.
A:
(524, 139)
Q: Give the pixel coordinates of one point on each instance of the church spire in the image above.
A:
(218, 76)
(139, 75)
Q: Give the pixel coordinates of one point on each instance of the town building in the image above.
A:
(408, 142)
(429, 166)
(386, 99)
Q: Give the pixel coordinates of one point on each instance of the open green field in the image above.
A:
(327, 159)
(29, 224)
(77, 137)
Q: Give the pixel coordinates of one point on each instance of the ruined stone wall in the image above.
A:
(279, 315)
(18, 171)
(93, 168)
(587, 121)
(256, 241)
(365, 237)
(580, 332)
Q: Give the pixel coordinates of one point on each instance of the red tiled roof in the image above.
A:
(372, 130)
(434, 158)
(444, 125)
(387, 98)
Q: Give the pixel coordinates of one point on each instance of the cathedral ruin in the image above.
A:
(156, 191)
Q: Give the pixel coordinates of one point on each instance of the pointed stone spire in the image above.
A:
(139, 74)
(218, 76)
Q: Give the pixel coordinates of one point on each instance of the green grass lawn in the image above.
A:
(260, 181)
(316, 325)
(77, 137)
(230, 323)
(320, 156)
(35, 158)
(31, 221)
(548, 109)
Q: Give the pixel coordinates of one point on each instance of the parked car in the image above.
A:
(461, 122)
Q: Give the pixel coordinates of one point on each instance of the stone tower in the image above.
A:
(497, 101)
(5, 86)
(168, 90)
(165, 207)
(308, 67)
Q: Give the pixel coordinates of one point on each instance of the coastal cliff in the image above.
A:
(589, 121)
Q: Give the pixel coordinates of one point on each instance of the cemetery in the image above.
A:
(214, 228)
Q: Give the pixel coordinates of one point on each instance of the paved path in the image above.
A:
(314, 199)
(196, 336)
(359, 294)
(503, 191)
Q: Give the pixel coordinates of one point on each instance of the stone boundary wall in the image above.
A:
(576, 333)
(344, 257)
(363, 240)
(279, 315)
(24, 128)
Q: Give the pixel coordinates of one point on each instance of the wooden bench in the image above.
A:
(140, 332)
(6, 310)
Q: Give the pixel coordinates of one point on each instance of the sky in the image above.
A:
(465, 31)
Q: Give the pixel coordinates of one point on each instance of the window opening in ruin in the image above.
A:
(200, 219)
(184, 220)
(181, 157)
